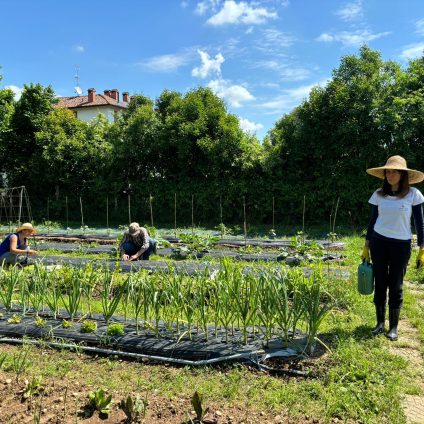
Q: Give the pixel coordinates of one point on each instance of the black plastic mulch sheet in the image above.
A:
(73, 247)
(146, 343)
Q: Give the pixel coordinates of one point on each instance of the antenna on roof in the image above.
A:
(77, 88)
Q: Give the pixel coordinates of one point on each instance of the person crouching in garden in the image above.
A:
(389, 236)
(136, 244)
(15, 249)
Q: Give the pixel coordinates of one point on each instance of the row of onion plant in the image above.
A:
(267, 302)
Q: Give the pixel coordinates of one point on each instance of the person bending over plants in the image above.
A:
(136, 244)
(14, 249)
(389, 236)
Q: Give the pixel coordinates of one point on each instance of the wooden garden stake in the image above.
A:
(175, 214)
(107, 213)
(67, 217)
(273, 212)
(82, 214)
(151, 210)
(129, 203)
(192, 214)
(245, 225)
(303, 218)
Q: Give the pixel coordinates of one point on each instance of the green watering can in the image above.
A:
(365, 278)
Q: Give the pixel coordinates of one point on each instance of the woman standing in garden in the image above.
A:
(389, 236)
(14, 248)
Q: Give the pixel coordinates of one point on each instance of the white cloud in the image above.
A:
(326, 38)
(78, 49)
(290, 98)
(208, 65)
(351, 38)
(240, 13)
(17, 91)
(184, 4)
(235, 94)
(419, 25)
(413, 51)
(285, 72)
(350, 11)
(166, 62)
(249, 126)
(204, 6)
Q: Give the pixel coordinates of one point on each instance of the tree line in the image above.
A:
(187, 149)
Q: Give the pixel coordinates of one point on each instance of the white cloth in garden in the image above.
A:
(394, 213)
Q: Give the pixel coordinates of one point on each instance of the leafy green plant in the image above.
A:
(33, 388)
(100, 401)
(134, 408)
(88, 326)
(15, 319)
(66, 323)
(40, 322)
(198, 406)
(115, 329)
(72, 299)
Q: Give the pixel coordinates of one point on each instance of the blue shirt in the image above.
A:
(5, 244)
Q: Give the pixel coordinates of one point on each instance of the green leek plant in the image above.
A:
(89, 283)
(38, 284)
(139, 297)
(9, 283)
(111, 295)
(315, 309)
(72, 297)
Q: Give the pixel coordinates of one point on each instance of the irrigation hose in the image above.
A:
(247, 356)
(132, 355)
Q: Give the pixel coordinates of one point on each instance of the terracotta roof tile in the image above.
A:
(82, 101)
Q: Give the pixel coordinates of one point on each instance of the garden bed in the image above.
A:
(193, 349)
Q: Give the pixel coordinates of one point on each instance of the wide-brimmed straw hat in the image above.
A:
(133, 229)
(26, 226)
(398, 163)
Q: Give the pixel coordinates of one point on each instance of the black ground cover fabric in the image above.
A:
(166, 345)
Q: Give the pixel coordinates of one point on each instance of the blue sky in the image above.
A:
(262, 57)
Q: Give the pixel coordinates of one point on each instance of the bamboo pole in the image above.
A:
(273, 212)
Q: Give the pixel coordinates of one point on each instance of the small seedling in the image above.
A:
(40, 322)
(199, 408)
(66, 323)
(33, 388)
(15, 319)
(88, 326)
(134, 408)
(115, 329)
(101, 402)
(20, 362)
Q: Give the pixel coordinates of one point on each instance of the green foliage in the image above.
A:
(33, 388)
(134, 408)
(115, 329)
(88, 326)
(100, 401)
(198, 406)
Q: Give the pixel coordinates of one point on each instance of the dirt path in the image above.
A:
(411, 348)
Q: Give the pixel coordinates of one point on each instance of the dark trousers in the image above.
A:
(390, 259)
(131, 249)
